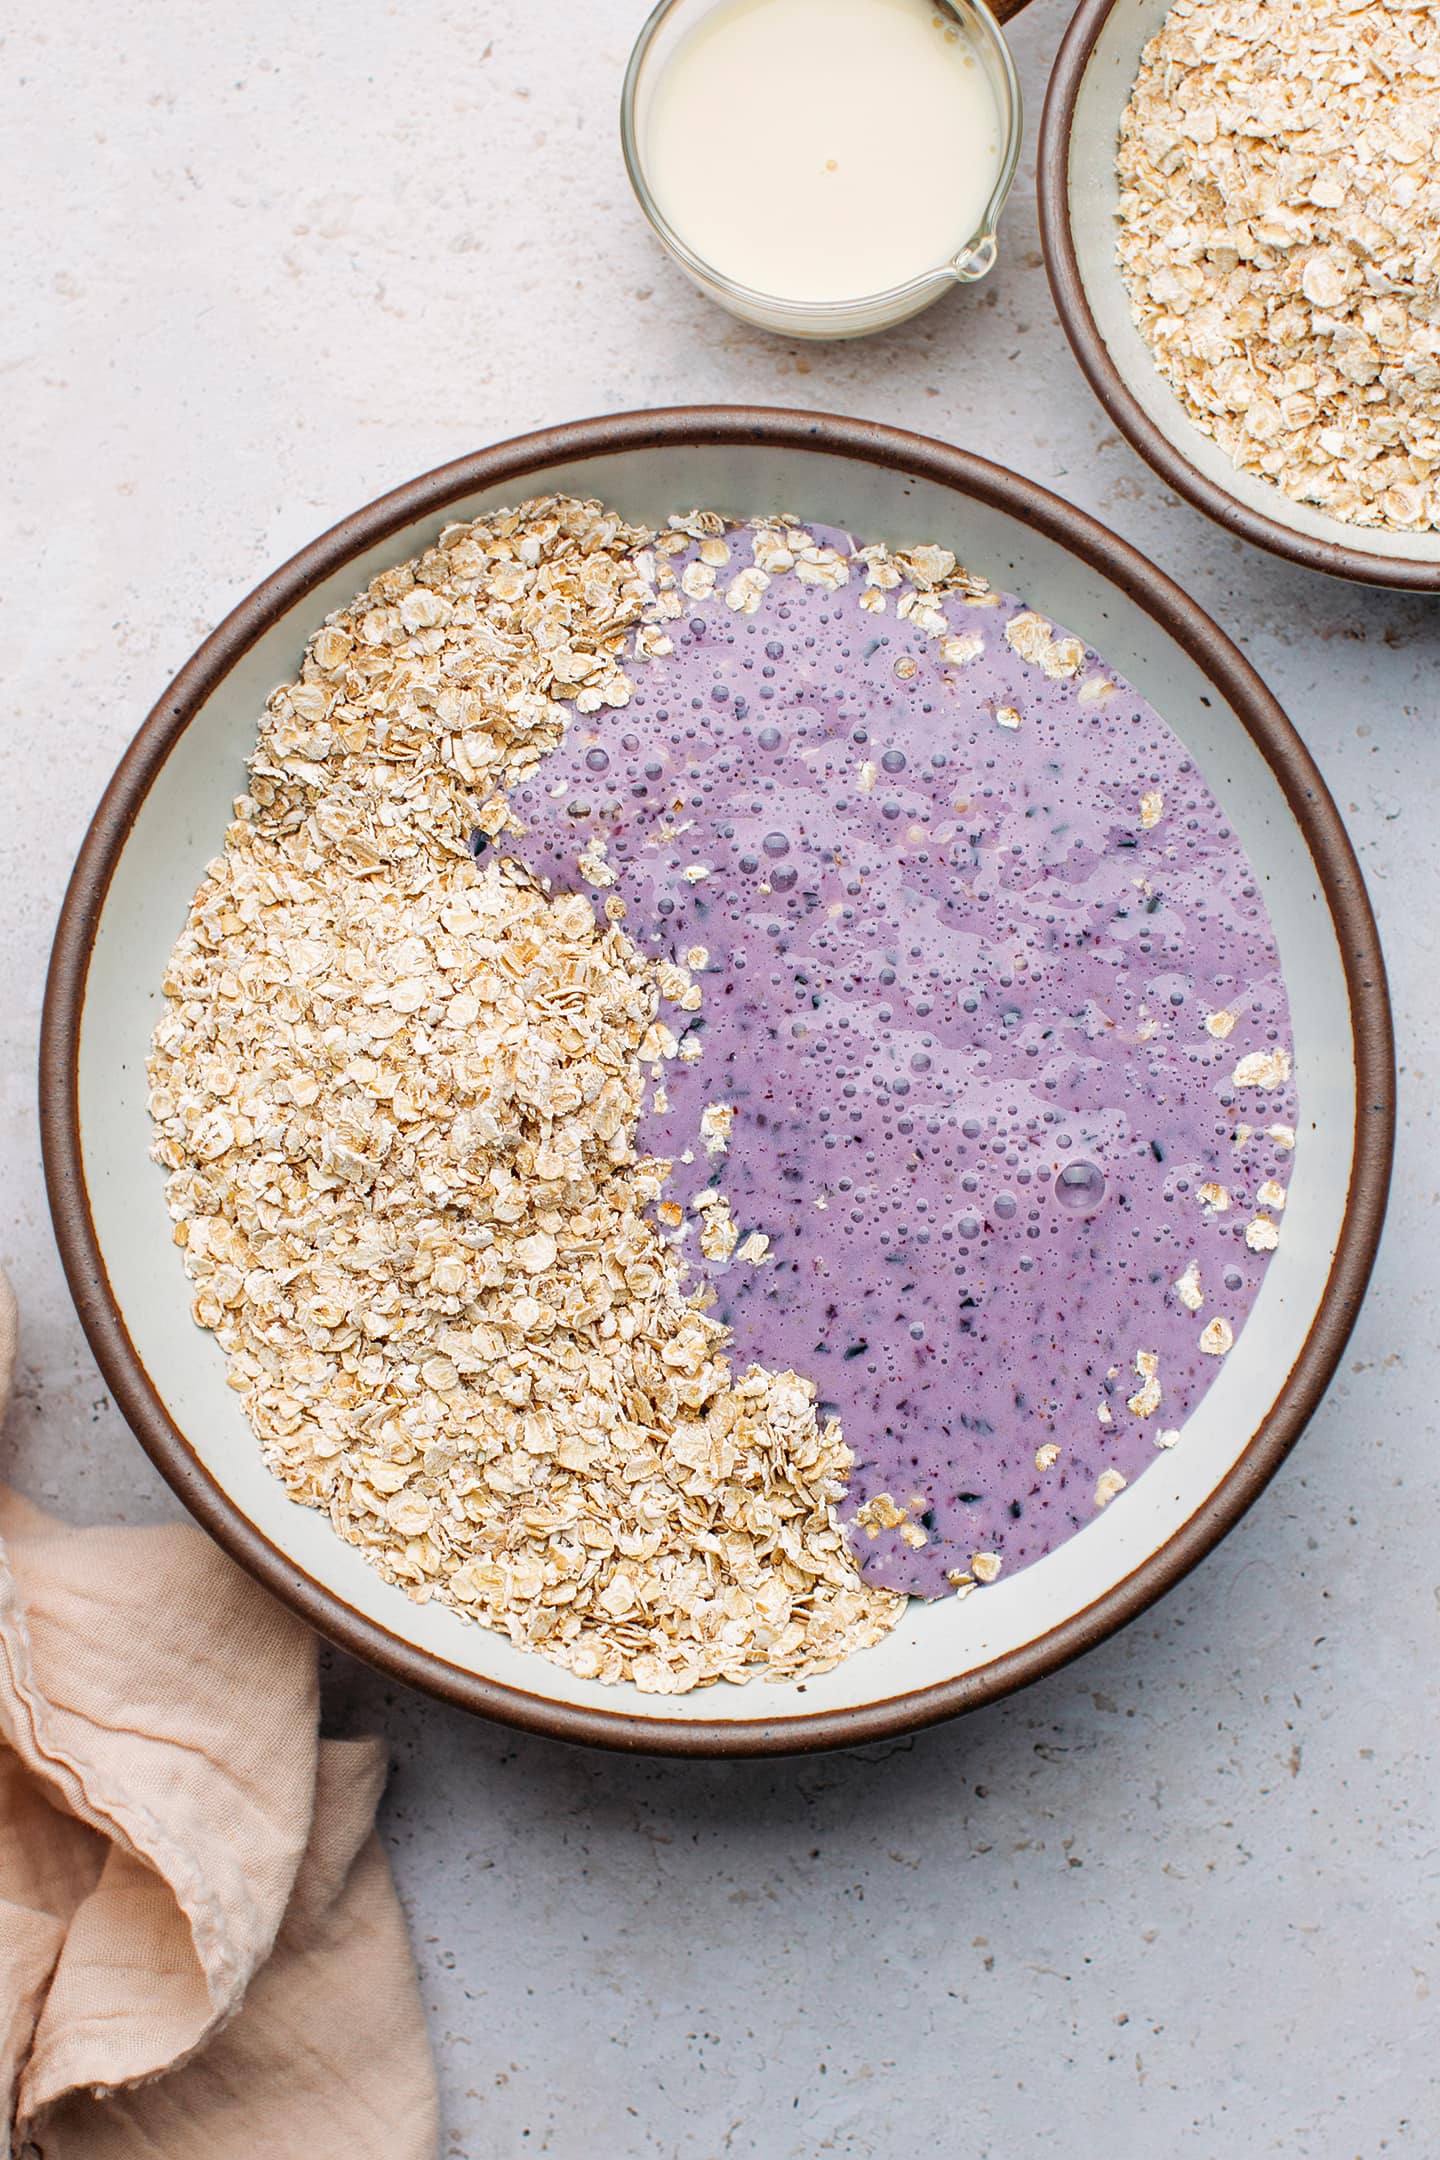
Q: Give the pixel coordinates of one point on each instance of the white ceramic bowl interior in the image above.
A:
(181, 825)
(1094, 189)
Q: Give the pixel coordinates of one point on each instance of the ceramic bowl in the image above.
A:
(163, 818)
(1090, 86)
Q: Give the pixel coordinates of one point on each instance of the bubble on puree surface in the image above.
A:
(992, 1036)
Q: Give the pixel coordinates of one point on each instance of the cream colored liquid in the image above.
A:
(823, 149)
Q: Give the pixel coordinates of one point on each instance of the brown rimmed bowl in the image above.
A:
(163, 817)
(1079, 190)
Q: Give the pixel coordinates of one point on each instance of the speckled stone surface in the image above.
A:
(1182, 1898)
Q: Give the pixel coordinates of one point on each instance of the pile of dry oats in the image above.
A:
(396, 1088)
(1279, 236)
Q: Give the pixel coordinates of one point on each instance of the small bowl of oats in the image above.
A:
(717, 1081)
(1241, 225)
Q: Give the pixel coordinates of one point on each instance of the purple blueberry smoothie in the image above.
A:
(993, 1046)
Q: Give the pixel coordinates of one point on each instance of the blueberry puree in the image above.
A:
(956, 982)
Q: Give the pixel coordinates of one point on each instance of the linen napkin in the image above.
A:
(201, 1950)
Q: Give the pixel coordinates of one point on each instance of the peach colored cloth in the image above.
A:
(201, 1950)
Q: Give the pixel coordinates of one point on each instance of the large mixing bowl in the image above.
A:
(164, 816)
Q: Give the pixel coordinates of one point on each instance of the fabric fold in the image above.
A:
(196, 1918)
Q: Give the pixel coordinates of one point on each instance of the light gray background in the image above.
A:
(1179, 1900)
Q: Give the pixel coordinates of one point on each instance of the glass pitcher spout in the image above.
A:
(974, 261)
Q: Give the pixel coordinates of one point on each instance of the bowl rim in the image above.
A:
(1072, 303)
(917, 457)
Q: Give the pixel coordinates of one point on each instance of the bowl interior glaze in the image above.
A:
(165, 817)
